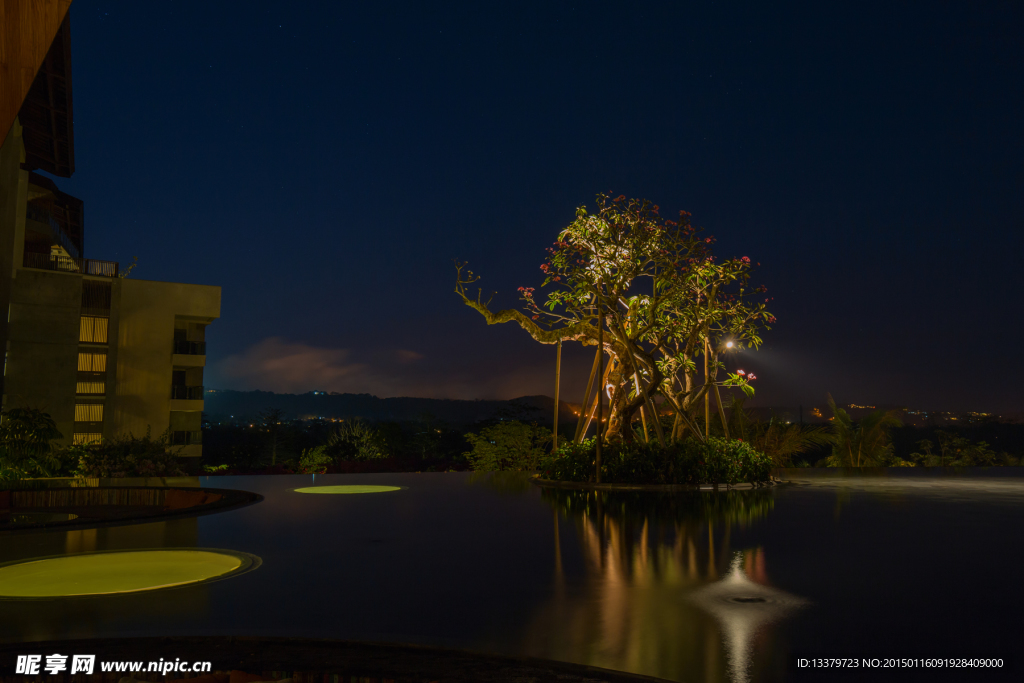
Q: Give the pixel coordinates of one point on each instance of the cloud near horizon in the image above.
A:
(282, 366)
(288, 367)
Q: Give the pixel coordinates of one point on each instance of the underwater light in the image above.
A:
(119, 571)
(348, 489)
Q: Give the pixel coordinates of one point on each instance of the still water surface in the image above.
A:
(702, 586)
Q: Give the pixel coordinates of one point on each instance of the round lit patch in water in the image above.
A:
(126, 571)
(348, 489)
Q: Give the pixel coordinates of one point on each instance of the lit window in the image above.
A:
(83, 438)
(93, 330)
(88, 412)
(91, 388)
(92, 362)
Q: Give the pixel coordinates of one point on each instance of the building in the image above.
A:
(102, 353)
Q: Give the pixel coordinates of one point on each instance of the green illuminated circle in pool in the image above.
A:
(106, 573)
(348, 489)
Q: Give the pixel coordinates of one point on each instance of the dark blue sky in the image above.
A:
(324, 162)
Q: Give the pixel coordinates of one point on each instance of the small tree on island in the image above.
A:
(660, 297)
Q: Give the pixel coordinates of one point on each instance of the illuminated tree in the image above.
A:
(657, 293)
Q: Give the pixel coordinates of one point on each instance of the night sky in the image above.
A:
(324, 162)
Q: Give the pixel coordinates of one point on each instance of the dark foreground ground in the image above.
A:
(236, 660)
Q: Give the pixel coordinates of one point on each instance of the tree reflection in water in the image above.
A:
(651, 598)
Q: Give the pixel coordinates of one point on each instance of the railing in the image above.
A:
(182, 393)
(69, 264)
(189, 348)
(186, 438)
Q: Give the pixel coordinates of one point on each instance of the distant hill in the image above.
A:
(225, 404)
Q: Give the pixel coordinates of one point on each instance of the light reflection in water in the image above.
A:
(648, 598)
(743, 605)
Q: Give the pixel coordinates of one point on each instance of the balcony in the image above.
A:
(57, 234)
(182, 393)
(186, 438)
(189, 348)
(70, 264)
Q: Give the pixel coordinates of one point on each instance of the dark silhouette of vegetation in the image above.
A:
(126, 456)
(428, 444)
(508, 445)
(356, 440)
(26, 445)
(863, 444)
(778, 439)
(953, 450)
(328, 446)
(271, 422)
(684, 462)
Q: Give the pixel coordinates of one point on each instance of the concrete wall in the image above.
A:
(13, 195)
(145, 314)
(42, 360)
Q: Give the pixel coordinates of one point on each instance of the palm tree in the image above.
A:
(861, 444)
(775, 438)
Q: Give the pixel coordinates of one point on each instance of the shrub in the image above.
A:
(686, 462)
(954, 451)
(126, 456)
(508, 445)
(25, 444)
(355, 440)
(314, 461)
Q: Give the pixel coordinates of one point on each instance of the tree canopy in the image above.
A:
(659, 297)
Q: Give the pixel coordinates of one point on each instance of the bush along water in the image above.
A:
(686, 462)
(126, 456)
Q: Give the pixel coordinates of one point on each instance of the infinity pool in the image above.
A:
(701, 586)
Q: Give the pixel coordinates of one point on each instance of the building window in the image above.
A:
(94, 388)
(84, 438)
(186, 438)
(88, 412)
(95, 296)
(93, 330)
(92, 362)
